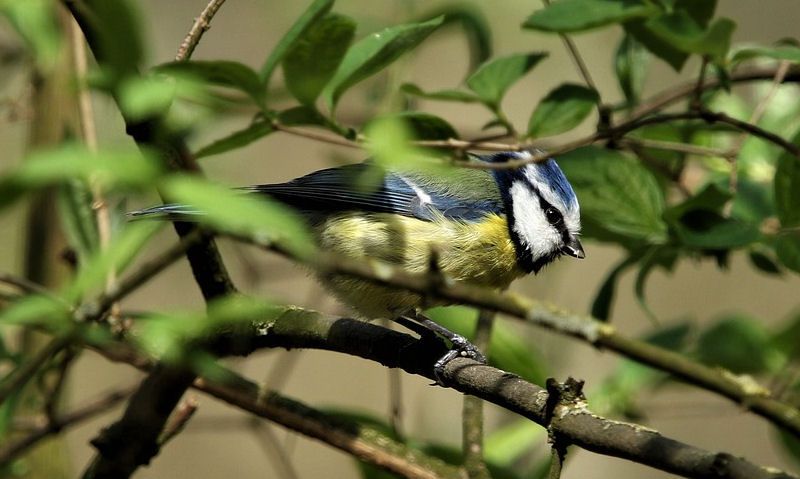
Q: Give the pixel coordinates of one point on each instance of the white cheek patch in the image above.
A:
(530, 223)
(571, 212)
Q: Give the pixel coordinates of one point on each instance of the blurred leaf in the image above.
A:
(708, 230)
(115, 258)
(737, 343)
(787, 188)
(701, 11)
(35, 21)
(783, 52)
(445, 95)
(37, 310)
(374, 53)
(762, 261)
(108, 169)
(753, 201)
(508, 350)
(664, 256)
(143, 97)
(224, 73)
(787, 247)
(313, 14)
(631, 63)
(78, 217)
(390, 146)
(561, 110)
(791, 445)
(492, 79)
(253, 216)
(425, 126)
(259, 128)
(681, 31)
(476, 29)
(578, 15)
(601, 306)
(711, 198)
(302, 115)
(314, 57)
(507, 444)
(119, 44)
(616, 193)
(663, 49)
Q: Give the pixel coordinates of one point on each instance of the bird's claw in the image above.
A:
(461, 348)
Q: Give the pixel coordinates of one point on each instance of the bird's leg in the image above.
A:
(461, 347)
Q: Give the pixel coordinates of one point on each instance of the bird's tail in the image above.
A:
(173, 212)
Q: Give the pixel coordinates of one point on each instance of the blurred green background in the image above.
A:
(222, 442)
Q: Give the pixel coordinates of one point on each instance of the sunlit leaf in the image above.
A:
(36, 310)
(492, 79)
(256, 130)
(616, 193)
(235, 212)
(374, 53)
(578, 15)
(561, 110)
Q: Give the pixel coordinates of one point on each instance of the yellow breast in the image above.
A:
(479, 252)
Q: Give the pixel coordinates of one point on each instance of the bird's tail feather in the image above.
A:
(173, 212)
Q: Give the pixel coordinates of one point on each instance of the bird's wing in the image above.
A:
(364, 187)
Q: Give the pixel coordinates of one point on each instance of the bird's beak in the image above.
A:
(574, 249)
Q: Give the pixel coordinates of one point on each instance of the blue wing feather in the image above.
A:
(338, 189)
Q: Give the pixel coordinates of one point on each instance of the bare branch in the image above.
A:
(200, 26)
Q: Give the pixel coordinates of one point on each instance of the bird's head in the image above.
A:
(542, 211)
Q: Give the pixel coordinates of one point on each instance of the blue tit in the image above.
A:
(486, 226)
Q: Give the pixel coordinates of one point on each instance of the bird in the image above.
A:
(481, 226)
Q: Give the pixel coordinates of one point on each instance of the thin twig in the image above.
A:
(577, 58)
(178, 419)
(199, 27)
(22, 374)
(273, 449)
(687, 148)
(14, 449)
(472, 411)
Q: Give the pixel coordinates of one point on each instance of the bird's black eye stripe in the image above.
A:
(554, 216)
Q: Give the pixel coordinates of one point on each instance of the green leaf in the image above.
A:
(601, 306)
(579, 15)
(390, 147)
(425, 126)
(701, 11)
(313, 14)
(476, 29)
(374, 53)
(507, 444)
(37, 310)
(681, 31)
(258, 129)
(302, 115)
(663, 49)
(314, 57)
(36, 23)
(787, 188)
(119, 44)
(561, 110)
(711, 198)
(783, 52)
(253, 216)
(616, 193)
(143, 97)
(107, 169)
(492, 79)
(764, 262)
(444, 95)
(661, 255)
(787, 247)
(78, 217)
(221, 73)
(708, 230)
(631, 63)
(112, 260)
(737, 343)
(790, 444)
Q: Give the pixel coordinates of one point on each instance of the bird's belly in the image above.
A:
(478, 253)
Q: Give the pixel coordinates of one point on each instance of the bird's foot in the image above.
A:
(461, 347)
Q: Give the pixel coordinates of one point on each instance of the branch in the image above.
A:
(570, 420)
(14, 449)
(200, 26)
(584, 328)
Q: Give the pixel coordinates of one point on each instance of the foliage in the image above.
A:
(743, 196)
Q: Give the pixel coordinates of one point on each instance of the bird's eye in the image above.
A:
(553, 216)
